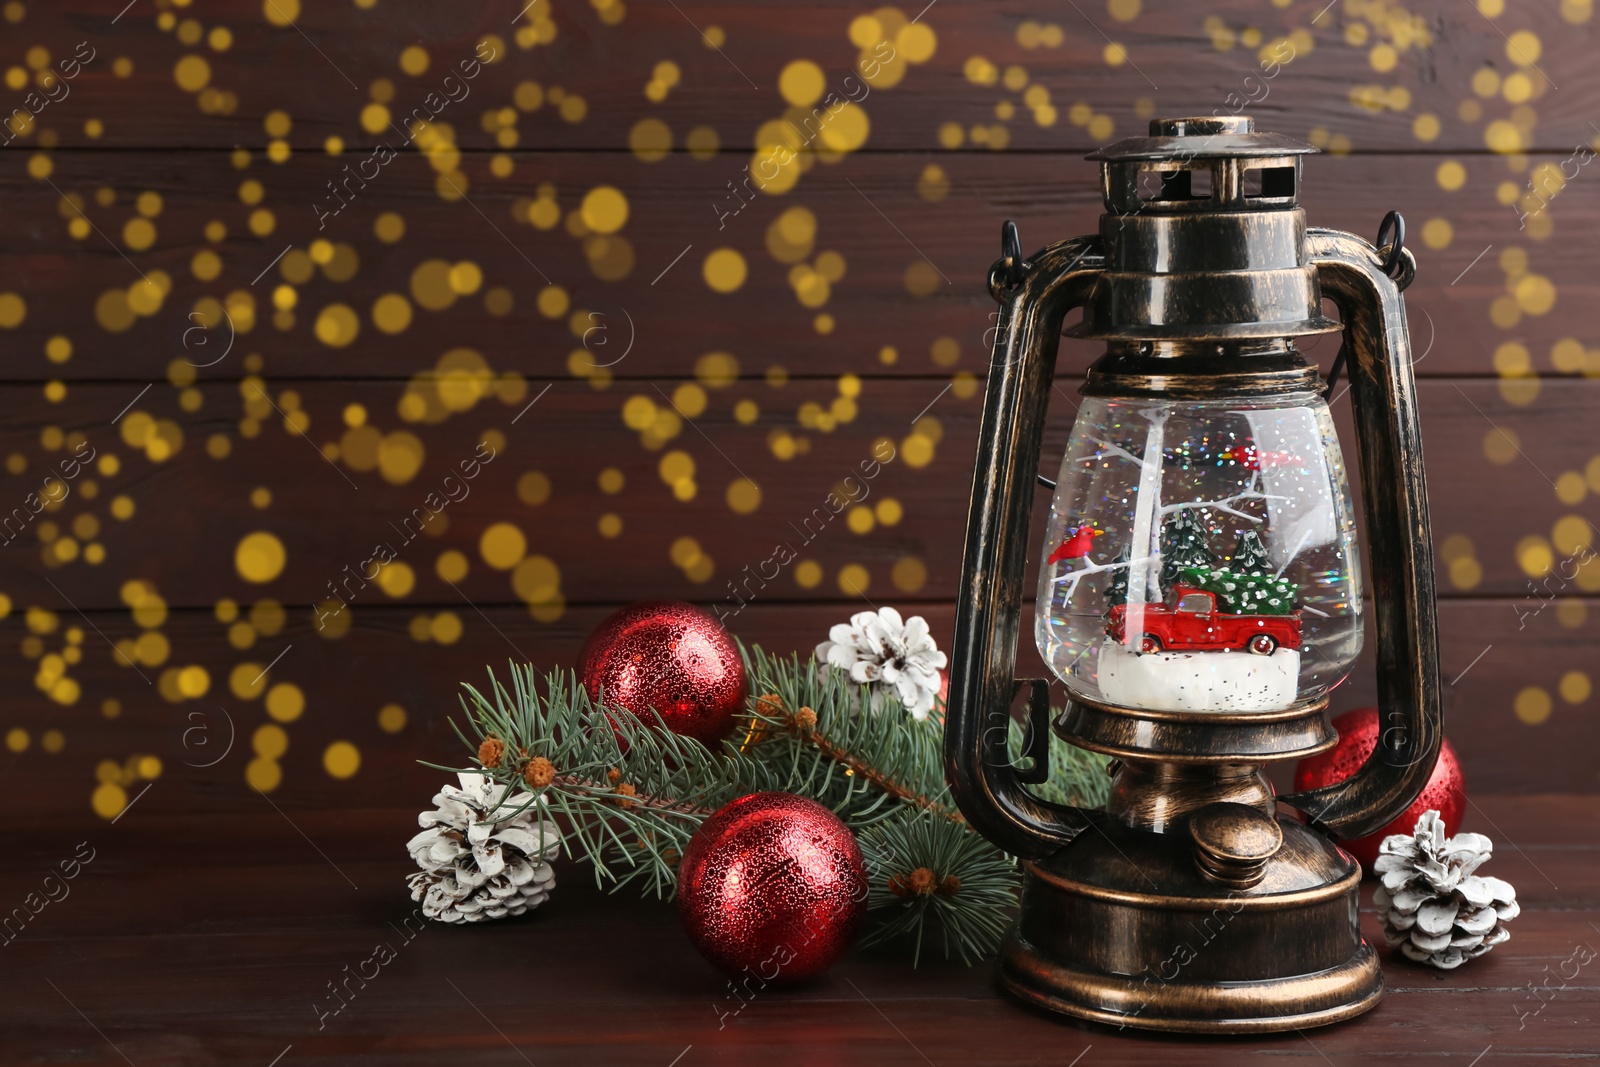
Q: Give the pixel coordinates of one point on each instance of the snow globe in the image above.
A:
(1203, 555)
(1200, 592)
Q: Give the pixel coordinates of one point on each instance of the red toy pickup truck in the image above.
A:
(1192, 623)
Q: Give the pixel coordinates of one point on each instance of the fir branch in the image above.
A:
(662, 804)
(872, 774)
(802, 722)
(866, 763)
(627, 794)
(927, 874)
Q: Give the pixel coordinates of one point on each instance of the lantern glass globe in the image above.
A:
(1201, 555)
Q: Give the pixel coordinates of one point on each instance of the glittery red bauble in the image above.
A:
(672, 657)
(1445, 792)
(773, 885)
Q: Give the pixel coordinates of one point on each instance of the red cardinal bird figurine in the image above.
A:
(1075, 547)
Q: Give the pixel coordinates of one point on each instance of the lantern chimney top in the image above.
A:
(1204, 237)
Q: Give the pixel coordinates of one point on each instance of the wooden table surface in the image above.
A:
(197, 939)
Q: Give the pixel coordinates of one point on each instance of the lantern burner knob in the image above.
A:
(1233, 842)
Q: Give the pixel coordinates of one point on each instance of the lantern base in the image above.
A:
(1192, 1007)
(1121, 928)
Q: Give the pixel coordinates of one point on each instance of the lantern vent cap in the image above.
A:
(1202, 137)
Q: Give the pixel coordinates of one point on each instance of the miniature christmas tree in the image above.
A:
(1243, 594)
(1250, 556)
(1183, 545)
(1248, 585)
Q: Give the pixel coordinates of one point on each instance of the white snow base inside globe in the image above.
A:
(1198, 681)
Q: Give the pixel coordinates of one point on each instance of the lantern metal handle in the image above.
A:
(991, 791)
(1389, 441)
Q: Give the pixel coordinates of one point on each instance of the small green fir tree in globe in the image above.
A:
(1183, 546)
(1250, 556)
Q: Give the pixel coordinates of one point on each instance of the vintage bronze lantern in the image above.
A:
(1199, 594)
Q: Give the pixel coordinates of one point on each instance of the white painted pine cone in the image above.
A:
(894, 657)
(1435, 909)
(474, 869)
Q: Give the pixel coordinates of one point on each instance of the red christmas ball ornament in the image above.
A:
(773, 885)
(1446, 791)
(672, 657)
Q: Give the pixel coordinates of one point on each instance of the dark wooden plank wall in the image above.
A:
(177, 178)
